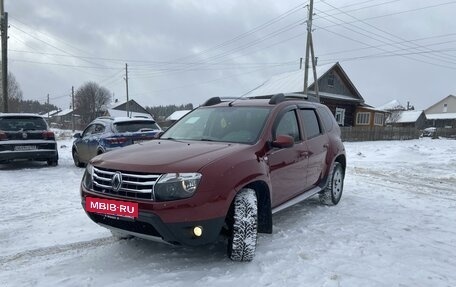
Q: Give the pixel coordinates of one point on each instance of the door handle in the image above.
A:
(326, 145)
(304, 154)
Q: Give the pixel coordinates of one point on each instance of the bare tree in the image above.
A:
(14, 94)
(89, 99)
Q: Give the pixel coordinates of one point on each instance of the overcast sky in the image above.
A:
(184, 51)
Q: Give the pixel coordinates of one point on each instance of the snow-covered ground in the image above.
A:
(395, 226)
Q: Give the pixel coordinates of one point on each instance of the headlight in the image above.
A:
(87, 179)
(172, 186)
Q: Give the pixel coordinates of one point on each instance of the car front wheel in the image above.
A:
(333, 192)
(76, 159)
(243, 226)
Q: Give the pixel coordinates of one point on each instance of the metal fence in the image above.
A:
(378, 133)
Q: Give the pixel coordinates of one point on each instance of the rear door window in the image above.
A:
(310, 122)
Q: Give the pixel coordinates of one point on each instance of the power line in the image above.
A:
(344, 24)
(409, 44)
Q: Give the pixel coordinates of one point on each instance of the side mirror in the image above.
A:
(283, 141)
(77, 135)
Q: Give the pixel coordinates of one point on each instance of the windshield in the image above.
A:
(226, 124)
(22, 123)
(135, 126)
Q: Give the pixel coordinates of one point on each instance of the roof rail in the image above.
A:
(277, 98)
(212, 101)
(217, 100)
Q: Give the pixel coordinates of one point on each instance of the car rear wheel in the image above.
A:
(76, 159)
(243, 226)
(333, 192)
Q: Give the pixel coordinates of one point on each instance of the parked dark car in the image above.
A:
(26, 137)
(107, 133)
(223, 168)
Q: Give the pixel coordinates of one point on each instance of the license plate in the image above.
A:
(112, 207)
(24, 147)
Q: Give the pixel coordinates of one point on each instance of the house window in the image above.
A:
(378, 119)
(362, 118)
(445, 108)
(331, 80)
(340, 116)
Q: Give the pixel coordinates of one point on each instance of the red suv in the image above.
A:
(225, 167)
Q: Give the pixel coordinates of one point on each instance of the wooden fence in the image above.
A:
(378, 133)
(445, 132)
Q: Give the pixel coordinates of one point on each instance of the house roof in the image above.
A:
(407, 116)
(293, 82)
(394, 105)
(441, 116)
(177, 115)
(441, 102)
(63, 112)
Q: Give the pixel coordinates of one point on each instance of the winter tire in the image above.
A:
(76, 159)
(333, 192)
(243, 235)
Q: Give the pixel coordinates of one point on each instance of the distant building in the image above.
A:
(410, 119)
(443, 113)
(336, 91)
(119, 109)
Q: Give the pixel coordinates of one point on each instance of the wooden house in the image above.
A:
(336, 91)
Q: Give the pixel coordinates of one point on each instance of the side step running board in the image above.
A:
(297, 199)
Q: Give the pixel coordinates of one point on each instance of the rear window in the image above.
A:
(22, 123)
(135, 126)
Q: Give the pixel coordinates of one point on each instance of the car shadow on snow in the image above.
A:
(147, 252)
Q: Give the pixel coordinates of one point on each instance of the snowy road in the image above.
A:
(395, 226)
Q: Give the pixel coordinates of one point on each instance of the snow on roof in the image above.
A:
(408, 116)
(290, 82)
(63, 112)
(20, 114)
(441, 116)
(177, 115)
(394, 105)
(336, 96)
(120, 113)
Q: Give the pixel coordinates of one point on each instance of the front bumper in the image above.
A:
(150, 226)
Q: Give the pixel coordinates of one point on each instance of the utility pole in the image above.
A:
(48, 105)
(4, 35)
(72, 106)
(310, 49)
(126, 85)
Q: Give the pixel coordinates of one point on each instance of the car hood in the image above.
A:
(160, 156)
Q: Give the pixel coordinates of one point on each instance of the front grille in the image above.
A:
(133, 185)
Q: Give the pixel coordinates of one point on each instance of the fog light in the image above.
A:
(197, 231)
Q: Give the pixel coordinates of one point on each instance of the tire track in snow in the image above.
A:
(57, 249)
(385, 177)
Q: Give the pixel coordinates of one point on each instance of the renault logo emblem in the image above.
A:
(116, 181)
(24, 135)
